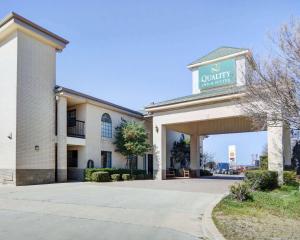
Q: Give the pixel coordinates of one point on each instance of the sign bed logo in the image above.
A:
(217, 74)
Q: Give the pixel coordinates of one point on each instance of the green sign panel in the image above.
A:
(217, 74)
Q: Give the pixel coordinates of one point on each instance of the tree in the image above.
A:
(207, 160)
(273, 84)
(180, 152)
(296, 157)
(263, 158)
(211, 165)
(263, 162)
(131, 139)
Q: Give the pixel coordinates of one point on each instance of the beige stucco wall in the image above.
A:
(279, 148)
(27, 102)
(199, 113)
(61, 139)
(92, 114)
(35, 104)
(8, 107)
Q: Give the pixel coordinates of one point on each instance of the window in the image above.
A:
(106, 126)
(72, 158)
(145, 161)
(150, 164)
(71, 118)
(105, 159)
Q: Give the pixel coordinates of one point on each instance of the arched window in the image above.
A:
(106, 126)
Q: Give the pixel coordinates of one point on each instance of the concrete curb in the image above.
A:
(209, 229)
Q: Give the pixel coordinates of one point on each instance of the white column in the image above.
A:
(62, 139)
(287, 150)
(201, 150)
(195, 155)
(159, 151)
(275, 149)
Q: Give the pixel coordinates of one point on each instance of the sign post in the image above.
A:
(232, 156)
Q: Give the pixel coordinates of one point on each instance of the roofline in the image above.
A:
(186, 103)
(247, 51)
(59, 89)
(16, 16)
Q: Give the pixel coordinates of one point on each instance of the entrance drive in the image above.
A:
(132, 210)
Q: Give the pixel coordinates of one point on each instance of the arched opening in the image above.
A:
(106, 126)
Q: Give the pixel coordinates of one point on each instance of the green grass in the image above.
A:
(264, 209)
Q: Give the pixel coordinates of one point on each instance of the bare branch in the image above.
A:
(273, 84)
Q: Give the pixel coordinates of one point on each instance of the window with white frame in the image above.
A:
(106, 126)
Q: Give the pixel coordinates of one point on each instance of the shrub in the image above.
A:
(290, 178)
(264, 162)
(100, 177)
(205, 173)
(115, 177)
(148, 176)
(133, 177)
(126, 177)
(140, 177)
(288, 168)
(89, 171)
(241, 191)
(262, 179)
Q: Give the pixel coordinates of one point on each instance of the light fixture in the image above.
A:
(156, 128)
(10, 136)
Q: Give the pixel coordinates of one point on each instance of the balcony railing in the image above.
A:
(76, 128)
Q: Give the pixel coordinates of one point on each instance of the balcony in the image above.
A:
(76, 128)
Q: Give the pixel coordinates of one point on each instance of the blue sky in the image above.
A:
(246, 145)
(135, 52)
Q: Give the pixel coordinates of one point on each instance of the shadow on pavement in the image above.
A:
(225, 177)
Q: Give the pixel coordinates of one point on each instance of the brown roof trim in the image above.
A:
(14, 15)
(59, 89)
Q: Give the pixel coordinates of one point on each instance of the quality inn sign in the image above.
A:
(217, 74)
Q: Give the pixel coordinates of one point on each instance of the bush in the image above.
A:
(263, 162)
(100, 177)
(205, 173)
(89, 171)
(148, 176)
(115, 177)
(133, 177)
(290, 178)
(288, 168)
(241, 191)
(126, 177)
(140, 177)
(262, 179)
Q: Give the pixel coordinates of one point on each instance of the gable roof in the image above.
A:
(23, 22)
(218, 53)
